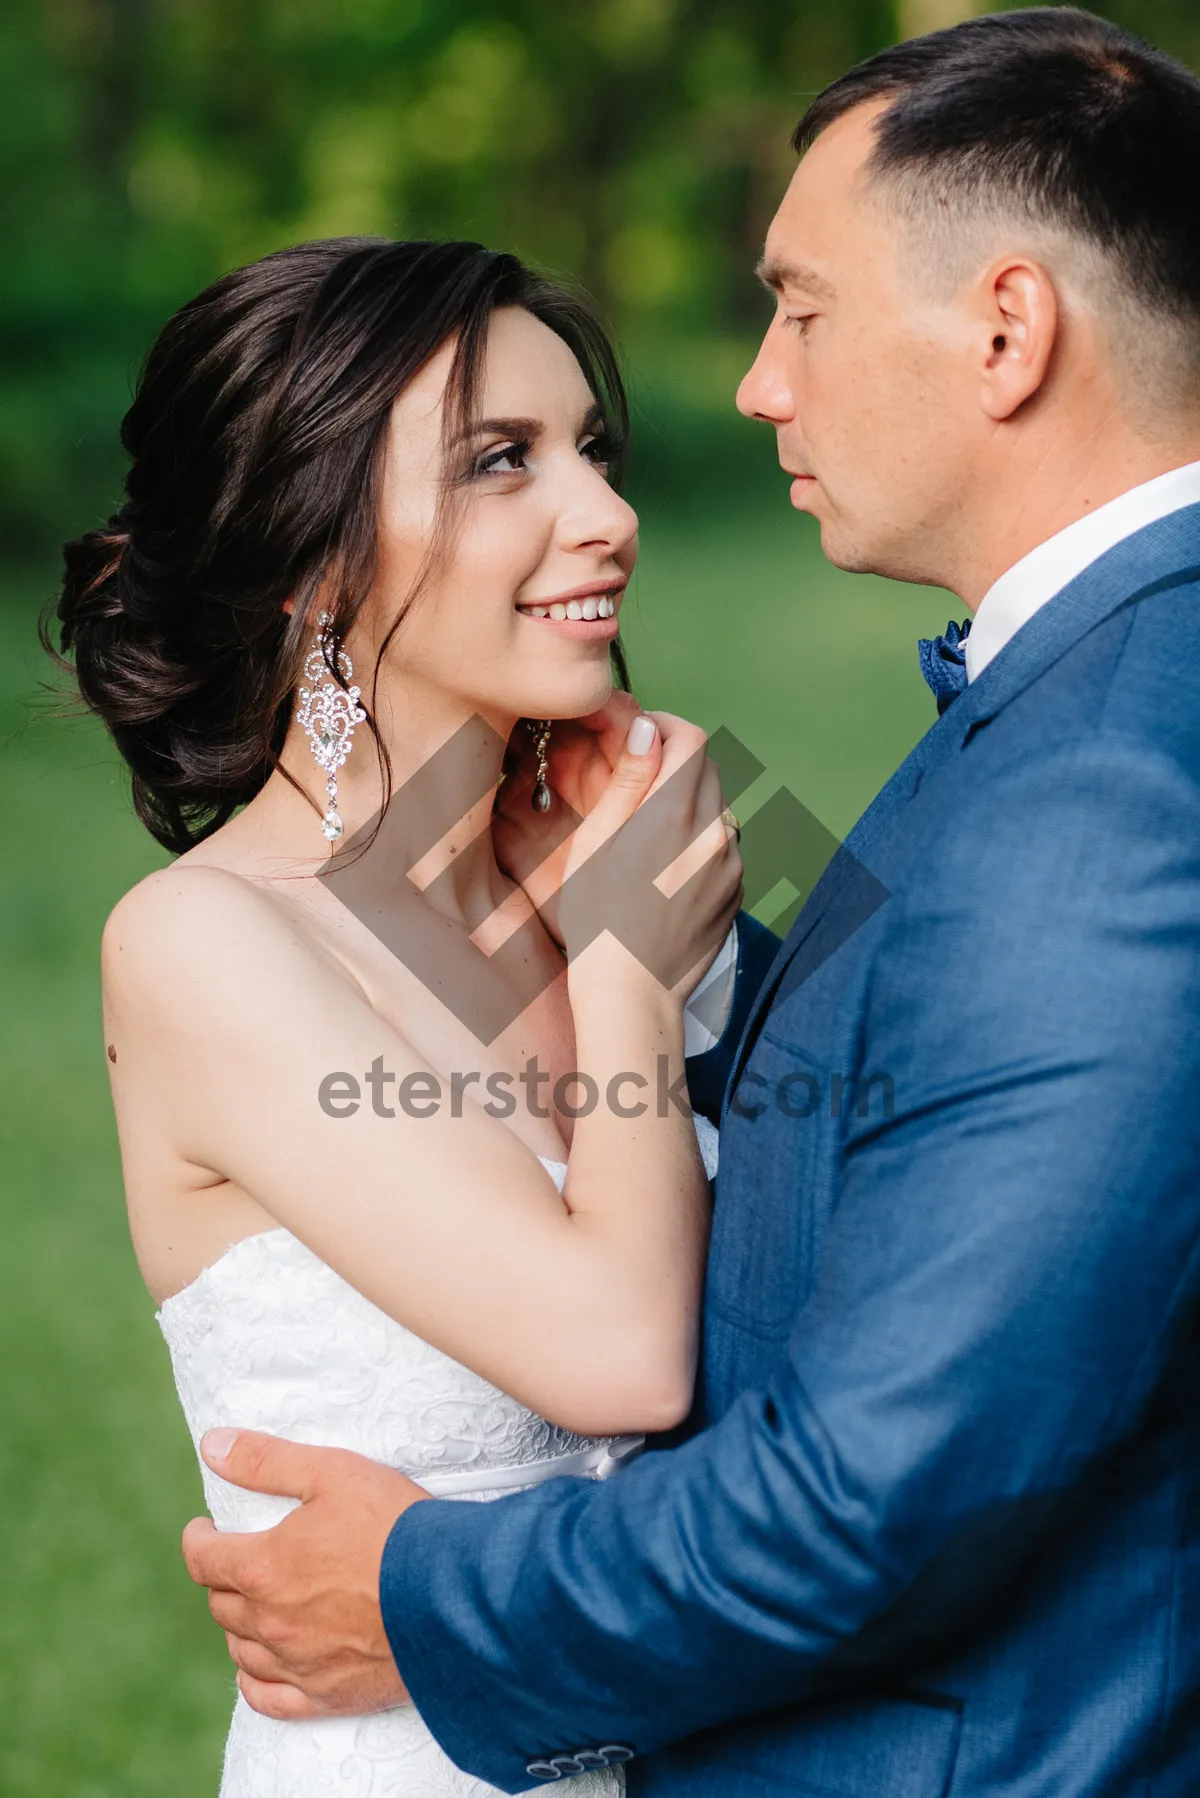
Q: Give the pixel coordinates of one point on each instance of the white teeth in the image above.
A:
(595, 606)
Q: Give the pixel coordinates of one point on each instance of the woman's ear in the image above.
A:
(1020, 313)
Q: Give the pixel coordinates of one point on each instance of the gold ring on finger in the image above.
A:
(727, 817)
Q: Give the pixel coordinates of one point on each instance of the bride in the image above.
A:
(371, 530)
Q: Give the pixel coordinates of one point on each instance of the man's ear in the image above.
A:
(1020, 313)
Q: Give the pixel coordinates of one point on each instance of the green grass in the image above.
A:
(113, 1682)
(111, 1675)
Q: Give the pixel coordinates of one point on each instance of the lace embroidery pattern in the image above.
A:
(270, 1338)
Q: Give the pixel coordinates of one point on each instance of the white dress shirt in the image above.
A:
(707, 1011)
(1027, 586)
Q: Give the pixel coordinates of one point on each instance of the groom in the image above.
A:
(937, 1530)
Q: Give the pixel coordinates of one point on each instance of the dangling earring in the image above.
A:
(328, 714)
(541, 742)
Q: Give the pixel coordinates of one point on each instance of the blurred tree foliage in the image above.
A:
(147, 145)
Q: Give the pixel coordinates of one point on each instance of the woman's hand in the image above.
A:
(532, 847)
(582, 753)
(593, 775)
(654, 863)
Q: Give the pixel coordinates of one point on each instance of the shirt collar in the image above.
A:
(1027, 586)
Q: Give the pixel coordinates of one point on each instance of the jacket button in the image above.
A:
(585, 1760)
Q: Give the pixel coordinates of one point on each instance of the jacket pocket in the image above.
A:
(894, 1747)
(778, 1144)
(877, 1746)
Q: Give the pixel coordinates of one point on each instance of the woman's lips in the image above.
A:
(592, 618)
(588, 630)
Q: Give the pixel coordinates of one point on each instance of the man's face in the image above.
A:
(867, 379)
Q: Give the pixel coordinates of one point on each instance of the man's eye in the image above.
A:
(799, 321)
(508, 459)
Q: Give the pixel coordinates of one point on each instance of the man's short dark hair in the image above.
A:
(1054, 117)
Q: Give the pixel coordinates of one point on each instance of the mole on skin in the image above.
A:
(112, 1051)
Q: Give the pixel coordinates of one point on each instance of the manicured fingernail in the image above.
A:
(640, 740)
(216, 1444)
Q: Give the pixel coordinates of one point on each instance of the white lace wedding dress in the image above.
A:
(270, 1338)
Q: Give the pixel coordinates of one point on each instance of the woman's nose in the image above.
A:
(597, 515)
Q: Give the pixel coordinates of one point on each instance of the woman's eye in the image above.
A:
(601, 452)
(508, 459)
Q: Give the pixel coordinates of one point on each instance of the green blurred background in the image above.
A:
(637, 146)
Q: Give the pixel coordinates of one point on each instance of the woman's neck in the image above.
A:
(433, 830)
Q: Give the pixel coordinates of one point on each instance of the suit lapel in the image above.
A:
(1162, 555)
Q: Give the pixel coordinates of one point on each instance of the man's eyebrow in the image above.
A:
(778, 275)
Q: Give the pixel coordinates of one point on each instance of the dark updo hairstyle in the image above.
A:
(256, 440)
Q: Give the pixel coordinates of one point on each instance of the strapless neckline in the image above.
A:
(269, 1337)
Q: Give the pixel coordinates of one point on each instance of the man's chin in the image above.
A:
(839, 549)
(837, 545)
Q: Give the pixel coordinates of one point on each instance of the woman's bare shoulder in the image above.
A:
(192, 918)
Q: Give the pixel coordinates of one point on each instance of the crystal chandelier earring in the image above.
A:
(327, 714)
(540, 731)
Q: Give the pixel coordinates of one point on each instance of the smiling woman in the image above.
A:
(397, 459)
(259, 437)
(468, 528)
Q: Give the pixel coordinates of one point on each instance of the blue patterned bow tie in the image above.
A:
(943, 663)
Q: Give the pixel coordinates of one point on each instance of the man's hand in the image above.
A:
(299, 1603)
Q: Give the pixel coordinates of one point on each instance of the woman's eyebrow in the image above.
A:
(502, 427)
(525, 428)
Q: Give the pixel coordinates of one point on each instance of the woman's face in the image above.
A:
(522, 602)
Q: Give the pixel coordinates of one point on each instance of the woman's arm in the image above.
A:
(227, 1026)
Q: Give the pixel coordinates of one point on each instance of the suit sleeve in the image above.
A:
(1010, 1263)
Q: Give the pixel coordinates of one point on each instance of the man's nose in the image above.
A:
(765, 392)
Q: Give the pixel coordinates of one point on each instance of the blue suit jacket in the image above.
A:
(938, 1533)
